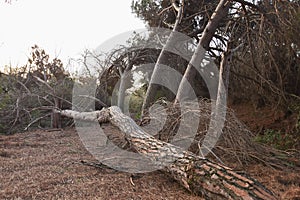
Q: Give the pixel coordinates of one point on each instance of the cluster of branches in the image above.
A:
(266, 68)
(30, 94)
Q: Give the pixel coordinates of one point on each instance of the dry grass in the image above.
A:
(47, 165)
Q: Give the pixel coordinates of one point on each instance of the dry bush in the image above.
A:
(236, 145)
(30, 94)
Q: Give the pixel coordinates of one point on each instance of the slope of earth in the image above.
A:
(47, 165)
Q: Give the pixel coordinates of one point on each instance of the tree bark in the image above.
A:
(123, 85)
(195, 173)
(56, 117)
(208, 33)
(153, 88)
(220, 108)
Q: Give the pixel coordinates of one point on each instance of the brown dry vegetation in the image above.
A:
(47, 165)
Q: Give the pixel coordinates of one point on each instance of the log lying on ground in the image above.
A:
(196, 174)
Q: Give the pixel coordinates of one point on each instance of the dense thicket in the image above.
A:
(29, 94)
(266, 69)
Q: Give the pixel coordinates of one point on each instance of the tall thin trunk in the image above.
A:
(220, 108)
(123, 81)
(208, 33)
(152, 88)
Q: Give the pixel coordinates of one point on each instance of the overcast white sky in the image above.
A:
(64, 28)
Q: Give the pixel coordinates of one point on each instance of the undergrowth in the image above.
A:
(277, 139)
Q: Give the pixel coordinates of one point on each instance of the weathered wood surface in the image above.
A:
(196, 174)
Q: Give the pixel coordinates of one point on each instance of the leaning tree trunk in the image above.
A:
(195, 173)
(208, 33)
(153, 88)
(123, 85)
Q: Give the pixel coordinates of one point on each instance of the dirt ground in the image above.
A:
(47, 165)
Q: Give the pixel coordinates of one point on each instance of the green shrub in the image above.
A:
(136, 102)
(276, 139)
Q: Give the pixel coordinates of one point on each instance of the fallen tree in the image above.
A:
(197, 174)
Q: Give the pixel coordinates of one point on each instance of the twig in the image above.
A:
(94, 164)
(36, 120)
(131, 181)
(44, 82)
(94, 98)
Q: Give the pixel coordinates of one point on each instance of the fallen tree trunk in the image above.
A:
(196, 174)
